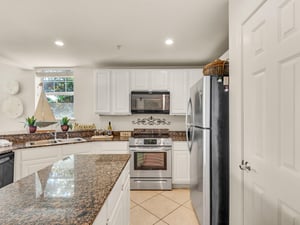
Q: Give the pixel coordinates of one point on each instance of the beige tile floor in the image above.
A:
(162, 208)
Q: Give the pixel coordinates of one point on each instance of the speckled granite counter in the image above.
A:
(175, 135)
(71, 191)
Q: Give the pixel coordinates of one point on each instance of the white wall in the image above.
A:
(25, 94)
(239, 11)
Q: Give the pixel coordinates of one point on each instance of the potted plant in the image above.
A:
(31, 123)
(65, 124)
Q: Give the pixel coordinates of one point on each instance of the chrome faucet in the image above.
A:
(54, 135)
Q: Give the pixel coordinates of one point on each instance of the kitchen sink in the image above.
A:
(54, 141)
(70, 140)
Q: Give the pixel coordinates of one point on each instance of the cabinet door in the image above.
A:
(117, 217)
(140, 80)
(32, 166)
(126, 201)
(103, 98)
(101, 218)
(194, 76)
(79, 148)
(181, 163)
(159, 80)
(120, 87)
(35, 159)
(121, 209)
(178, 91)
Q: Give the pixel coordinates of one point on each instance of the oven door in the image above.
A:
(150, 162)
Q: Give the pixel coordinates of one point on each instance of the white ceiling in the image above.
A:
(92, 29)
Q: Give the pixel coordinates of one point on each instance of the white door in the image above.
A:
(271, 106)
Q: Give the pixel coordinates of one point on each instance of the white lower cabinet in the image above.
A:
(181, 163)
(30, 160)
(79, 148)
(116, 209)
(110, 147)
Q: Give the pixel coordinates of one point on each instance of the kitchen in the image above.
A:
(284, 207)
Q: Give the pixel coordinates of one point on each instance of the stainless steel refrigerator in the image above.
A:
(207, 124)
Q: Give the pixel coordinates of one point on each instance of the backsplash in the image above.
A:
(151, 121)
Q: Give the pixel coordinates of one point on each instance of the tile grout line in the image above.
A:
(146, 199)
(175, 201)
(161, 219)
(179, 205)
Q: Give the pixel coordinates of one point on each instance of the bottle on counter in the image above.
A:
(109, 129)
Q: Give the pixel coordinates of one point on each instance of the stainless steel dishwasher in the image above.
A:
(6, 168)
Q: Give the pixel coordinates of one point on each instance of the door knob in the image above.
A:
(245, 166)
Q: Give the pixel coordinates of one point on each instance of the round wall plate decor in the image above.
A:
(12, 107)
(12, 87)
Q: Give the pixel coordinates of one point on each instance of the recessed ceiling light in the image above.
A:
(169, 41)
(59, 43)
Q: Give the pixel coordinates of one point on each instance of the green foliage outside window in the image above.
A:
(60, 94)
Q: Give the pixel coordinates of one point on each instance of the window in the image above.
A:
(58, 86)
(59, 91)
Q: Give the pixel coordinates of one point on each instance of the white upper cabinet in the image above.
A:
(112, 92)
(159, 80)
(179, 91)
(120, 92)
(113, 87)
(194, 76)
(140, 80)
(102, 79)
(149, 80)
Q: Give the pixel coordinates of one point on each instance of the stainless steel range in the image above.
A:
(151, 161)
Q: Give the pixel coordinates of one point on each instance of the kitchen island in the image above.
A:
(80, 189)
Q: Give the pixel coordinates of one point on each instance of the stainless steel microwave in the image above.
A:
(156, 102)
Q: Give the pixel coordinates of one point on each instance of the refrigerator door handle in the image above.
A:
(189, 126)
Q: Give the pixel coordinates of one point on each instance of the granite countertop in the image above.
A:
(88, 139)
(175, 135)
(71, 191)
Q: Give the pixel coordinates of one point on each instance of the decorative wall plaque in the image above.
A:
(151, 121)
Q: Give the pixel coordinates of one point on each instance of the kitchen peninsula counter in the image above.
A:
(71, 191)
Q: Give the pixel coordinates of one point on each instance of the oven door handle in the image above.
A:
(150, 149)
